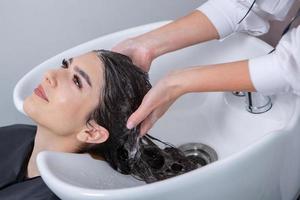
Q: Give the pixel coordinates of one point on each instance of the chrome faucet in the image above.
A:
(255, 102)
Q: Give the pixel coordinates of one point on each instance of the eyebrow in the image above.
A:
(82, 73)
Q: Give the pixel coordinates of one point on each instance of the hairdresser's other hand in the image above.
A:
(156, 102)
(137, 50)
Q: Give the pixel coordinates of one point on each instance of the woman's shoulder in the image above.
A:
(22, 130)
(31, 189)
(18, 127)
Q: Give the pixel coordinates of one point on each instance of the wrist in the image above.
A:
(152, 44)
(176, 82)
(145, 45)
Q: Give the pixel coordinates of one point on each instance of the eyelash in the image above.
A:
(75, 79)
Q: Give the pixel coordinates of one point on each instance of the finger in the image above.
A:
(148, 123)
(140, 114)
(145, 126)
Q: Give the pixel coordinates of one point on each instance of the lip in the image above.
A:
(39, 91)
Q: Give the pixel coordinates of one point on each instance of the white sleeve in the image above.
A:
(280, 70)
(225, 15)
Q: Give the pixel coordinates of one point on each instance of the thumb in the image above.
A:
(139, 115)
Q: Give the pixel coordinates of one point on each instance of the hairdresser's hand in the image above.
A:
(137, 50)
(156, 102)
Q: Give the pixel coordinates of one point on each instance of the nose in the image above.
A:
(51, 78)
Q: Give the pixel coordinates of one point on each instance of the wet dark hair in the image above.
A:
(124, 88)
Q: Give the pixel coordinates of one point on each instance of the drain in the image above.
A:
(199, 153)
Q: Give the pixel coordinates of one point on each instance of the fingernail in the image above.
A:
(130, 125)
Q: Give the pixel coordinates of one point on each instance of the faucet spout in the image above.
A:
(257, 103)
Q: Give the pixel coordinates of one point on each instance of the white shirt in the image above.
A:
(273, 73)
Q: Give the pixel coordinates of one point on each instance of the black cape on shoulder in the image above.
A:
(16, 145)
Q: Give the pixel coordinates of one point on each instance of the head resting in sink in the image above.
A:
(85, 107)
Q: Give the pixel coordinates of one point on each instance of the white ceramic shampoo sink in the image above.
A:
(258, 154)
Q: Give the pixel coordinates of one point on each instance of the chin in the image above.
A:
(33, 111)
(30, 108)
(27, 105)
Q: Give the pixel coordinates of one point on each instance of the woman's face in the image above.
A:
(72, 91)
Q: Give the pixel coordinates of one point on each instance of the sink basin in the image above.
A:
(258, 154)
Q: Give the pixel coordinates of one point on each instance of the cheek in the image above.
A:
(73, 107)
(66, 111)
(68, 106)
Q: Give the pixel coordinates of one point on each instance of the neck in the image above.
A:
(45, 140)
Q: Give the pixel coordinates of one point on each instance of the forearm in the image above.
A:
(186, 31)
(220, 77)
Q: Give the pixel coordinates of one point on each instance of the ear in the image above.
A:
(93, 134)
